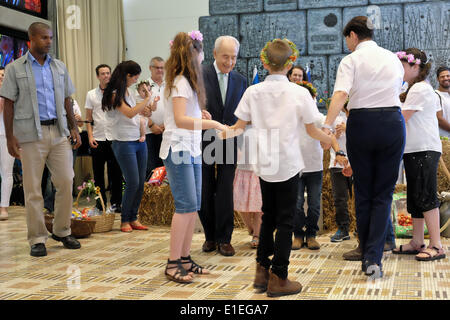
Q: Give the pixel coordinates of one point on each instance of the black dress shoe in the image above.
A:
(209, 246)
(69, 242)
(38, 250)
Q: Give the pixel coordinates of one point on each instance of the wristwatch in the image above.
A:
(326, 126)
(341, 153)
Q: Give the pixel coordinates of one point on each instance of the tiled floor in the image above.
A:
(116, 265)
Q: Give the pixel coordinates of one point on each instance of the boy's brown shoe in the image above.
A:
(298, 243)
(312, 243)
(278, 287)
(261, 278)
(354, 255)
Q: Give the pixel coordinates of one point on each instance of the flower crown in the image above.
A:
(291, 59)
(309, 86)
(195, 35)
(402, 55)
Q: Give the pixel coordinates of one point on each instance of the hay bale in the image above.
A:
(157, 207)
(443, 181)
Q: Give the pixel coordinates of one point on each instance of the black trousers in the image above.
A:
(375, 145)
(342, 188)
(101, 156)
(153, 147)
(217, 209)
(279, 204)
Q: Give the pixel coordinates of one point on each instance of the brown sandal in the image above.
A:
(439, 254)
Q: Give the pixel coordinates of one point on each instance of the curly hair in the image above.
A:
(425, 68)
(183, 61)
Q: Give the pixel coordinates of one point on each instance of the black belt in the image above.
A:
(49, 122)
(388, 109)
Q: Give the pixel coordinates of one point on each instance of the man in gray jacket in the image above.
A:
(39, 120)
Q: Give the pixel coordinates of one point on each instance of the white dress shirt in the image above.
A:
(371, 76)
(422, 129)
(277, 110)
(94, 103)
(445, 103)
(312, 151)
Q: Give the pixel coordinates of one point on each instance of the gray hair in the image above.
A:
(223, 38)
(158, 59)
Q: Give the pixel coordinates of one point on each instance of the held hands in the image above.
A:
(343, 161)
(347, 171)
(326, 146)
(340, 130)
(206, 115)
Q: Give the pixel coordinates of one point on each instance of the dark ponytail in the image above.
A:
(425, 69)
(118, 85)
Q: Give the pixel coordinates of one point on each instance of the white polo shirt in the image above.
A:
(277, 110)
(94, 103)
(312, 151)
(372, 77)
(422, 129)
(445, 103)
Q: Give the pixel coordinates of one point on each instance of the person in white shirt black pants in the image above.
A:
(371, 78)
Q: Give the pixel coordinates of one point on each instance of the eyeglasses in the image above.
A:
(157, 68)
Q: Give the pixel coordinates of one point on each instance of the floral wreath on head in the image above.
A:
(291, 59)
(309, 86)
(402, 55)
(195, 35)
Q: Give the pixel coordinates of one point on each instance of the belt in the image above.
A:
(49, 122)
(388, 109)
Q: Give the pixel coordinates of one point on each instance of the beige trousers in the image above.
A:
(56, 152)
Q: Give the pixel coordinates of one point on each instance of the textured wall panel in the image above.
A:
(308, 4)
(319, 73)
(280, 5)
(257, 30)
(324, 31)
(388, 21)
(427, 27)
(213, 27)
(234, 6)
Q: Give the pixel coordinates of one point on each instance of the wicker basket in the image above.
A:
(80, 228)
(105, 222)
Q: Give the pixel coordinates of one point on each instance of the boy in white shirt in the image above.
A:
(277, 110)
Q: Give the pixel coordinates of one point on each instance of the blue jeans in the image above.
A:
(132, 159)
(312, 181)
(185, 178)
(390, 236)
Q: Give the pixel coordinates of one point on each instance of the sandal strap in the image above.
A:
(180, 270)
(195, 268)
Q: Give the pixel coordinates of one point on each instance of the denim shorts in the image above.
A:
(185, 178)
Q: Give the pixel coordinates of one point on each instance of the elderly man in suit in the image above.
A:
(224, 90)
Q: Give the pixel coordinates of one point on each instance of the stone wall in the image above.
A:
(316, 27)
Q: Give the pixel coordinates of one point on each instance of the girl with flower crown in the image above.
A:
(422, 152)
(184, 121)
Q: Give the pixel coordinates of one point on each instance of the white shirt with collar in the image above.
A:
(226, 76)
(372, 77)
(94, 103)
(422, 129)
(445, 104)
(277, 110)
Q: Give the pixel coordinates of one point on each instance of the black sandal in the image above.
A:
(195, 268)
(181, 272)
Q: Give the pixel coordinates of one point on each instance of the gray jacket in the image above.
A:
(19, 86)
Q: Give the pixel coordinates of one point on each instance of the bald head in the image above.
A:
(226, 51)
(37, 28)
(41, 38)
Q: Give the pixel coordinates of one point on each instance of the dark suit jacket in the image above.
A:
(237, 84)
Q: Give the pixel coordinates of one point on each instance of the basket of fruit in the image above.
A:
(403, 224)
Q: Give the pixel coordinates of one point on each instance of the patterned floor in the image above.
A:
(116, 265)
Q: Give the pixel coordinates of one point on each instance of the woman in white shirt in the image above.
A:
(181, 148)
(422, 152)
(6, 162)
(123, 129)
